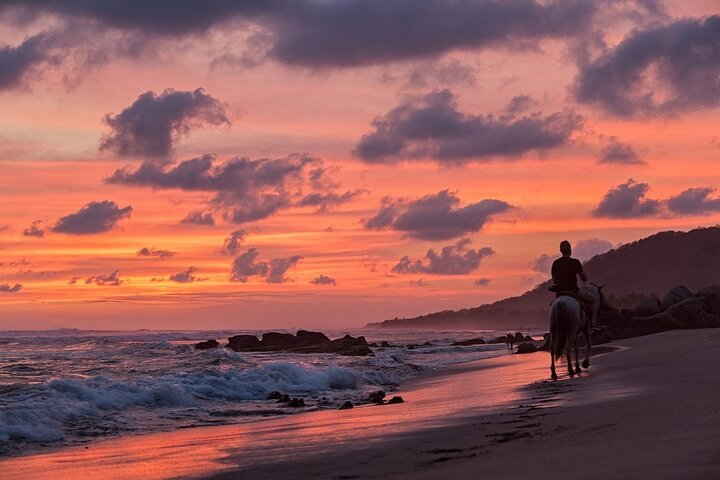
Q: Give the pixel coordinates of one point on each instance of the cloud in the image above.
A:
(431, 126)
(232, 243)
(456, 259)
(519, 104)
(154, 252)
(619, 153)
(94, 217)
(34, 230)
(627, 200)
(323, 280)
(110, 279)
(583, 250)
(153, 123)
(186, 276)
(694, 201)
(247, 265)
(482, 282)
(196, 217)
(663, 70)
(245, 190)
(435, 217)
(18, 62)
(7, 288)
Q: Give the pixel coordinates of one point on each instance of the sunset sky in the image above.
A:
(257, 164)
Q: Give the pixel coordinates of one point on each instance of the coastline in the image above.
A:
(648, 410)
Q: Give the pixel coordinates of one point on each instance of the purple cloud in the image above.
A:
(154, 252)
(196, 217)
(7, 288)
(110, 279)
(247, 265)
(456, 259)
(94, 217)
(153, 123)
(186, 276)
(619, 153)
(34, 230)
(435, 217)
(232, 243)
(694, 201)
(323, 280)
(431, 126)
(627, 200)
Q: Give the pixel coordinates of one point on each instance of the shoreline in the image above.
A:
(456, 422)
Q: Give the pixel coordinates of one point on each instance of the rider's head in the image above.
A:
(565, 247)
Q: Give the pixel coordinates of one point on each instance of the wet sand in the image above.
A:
(649, 410)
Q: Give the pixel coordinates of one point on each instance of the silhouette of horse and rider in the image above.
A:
(574, 310)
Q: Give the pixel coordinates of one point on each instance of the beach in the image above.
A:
(647, 408)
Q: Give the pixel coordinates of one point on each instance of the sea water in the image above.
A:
(67, 387)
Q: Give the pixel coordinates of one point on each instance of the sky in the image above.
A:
(324, 164)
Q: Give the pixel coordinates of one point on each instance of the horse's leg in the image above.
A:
(553, 375)
(568, 350)
(577, 354)
(586, 362)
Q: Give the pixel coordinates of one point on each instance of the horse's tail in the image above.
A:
(562, 329)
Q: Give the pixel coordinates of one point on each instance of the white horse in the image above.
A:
(567, 320)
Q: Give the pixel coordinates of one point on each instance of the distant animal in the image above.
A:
(567, 319)
(509, 340)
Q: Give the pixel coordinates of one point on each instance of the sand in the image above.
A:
(650, 409)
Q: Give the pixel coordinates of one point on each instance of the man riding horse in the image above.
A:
(572, 311)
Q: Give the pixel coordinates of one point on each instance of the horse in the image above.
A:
(567, 320)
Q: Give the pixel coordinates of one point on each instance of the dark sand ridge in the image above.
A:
(651, 410)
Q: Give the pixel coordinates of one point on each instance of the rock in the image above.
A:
(351, 346)
(394, 400)
(376, 397)
(526, 348)
(307, 337)
(657, 323)
(296, 402)
(676, 294)
(472, 341)
(284, 398)
(690, 313)
(528, 338)
(207, 345)
(545, 346)
(386, 344)
(710, 298)
(347, 405)
(281, 341)
(519, 337)
(243, 342)
(502, 339)
(373, 344)
(651, 306)
(274, 395)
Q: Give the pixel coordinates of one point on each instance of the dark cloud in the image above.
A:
(17, 62)
(482, 282)
(108, 280)
(323, 201)
(431, 126)
(34, 230)
(232, 243)
(662, 70)
(519, 104)
(583, 250)
(247, 265)
(435, 217)
(150, 126)
(95, 217)
(186, 276)
(619, 153)
(245, 190)
(694, 201)
(154, 252)
(458, 259)
(196, 217)
(323, 280)
(627, 200)
(7, 288)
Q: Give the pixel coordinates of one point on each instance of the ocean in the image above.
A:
(69, 387)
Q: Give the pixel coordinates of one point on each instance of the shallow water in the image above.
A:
(69, 387)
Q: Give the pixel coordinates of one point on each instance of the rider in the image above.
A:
(565, 271)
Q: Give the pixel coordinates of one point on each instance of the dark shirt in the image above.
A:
(564, 273)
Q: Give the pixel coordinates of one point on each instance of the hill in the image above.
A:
(652, 265)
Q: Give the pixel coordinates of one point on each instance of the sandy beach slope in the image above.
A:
(651, 409)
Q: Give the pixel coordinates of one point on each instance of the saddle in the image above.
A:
(568, 293)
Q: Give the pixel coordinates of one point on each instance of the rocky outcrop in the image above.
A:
(376, 397)
(526, 348)
(394, 400)
(467, 343)
(347, 405)
(207, 345)
(303, 342)
(676, 294)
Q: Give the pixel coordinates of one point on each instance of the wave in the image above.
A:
(47, 411)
